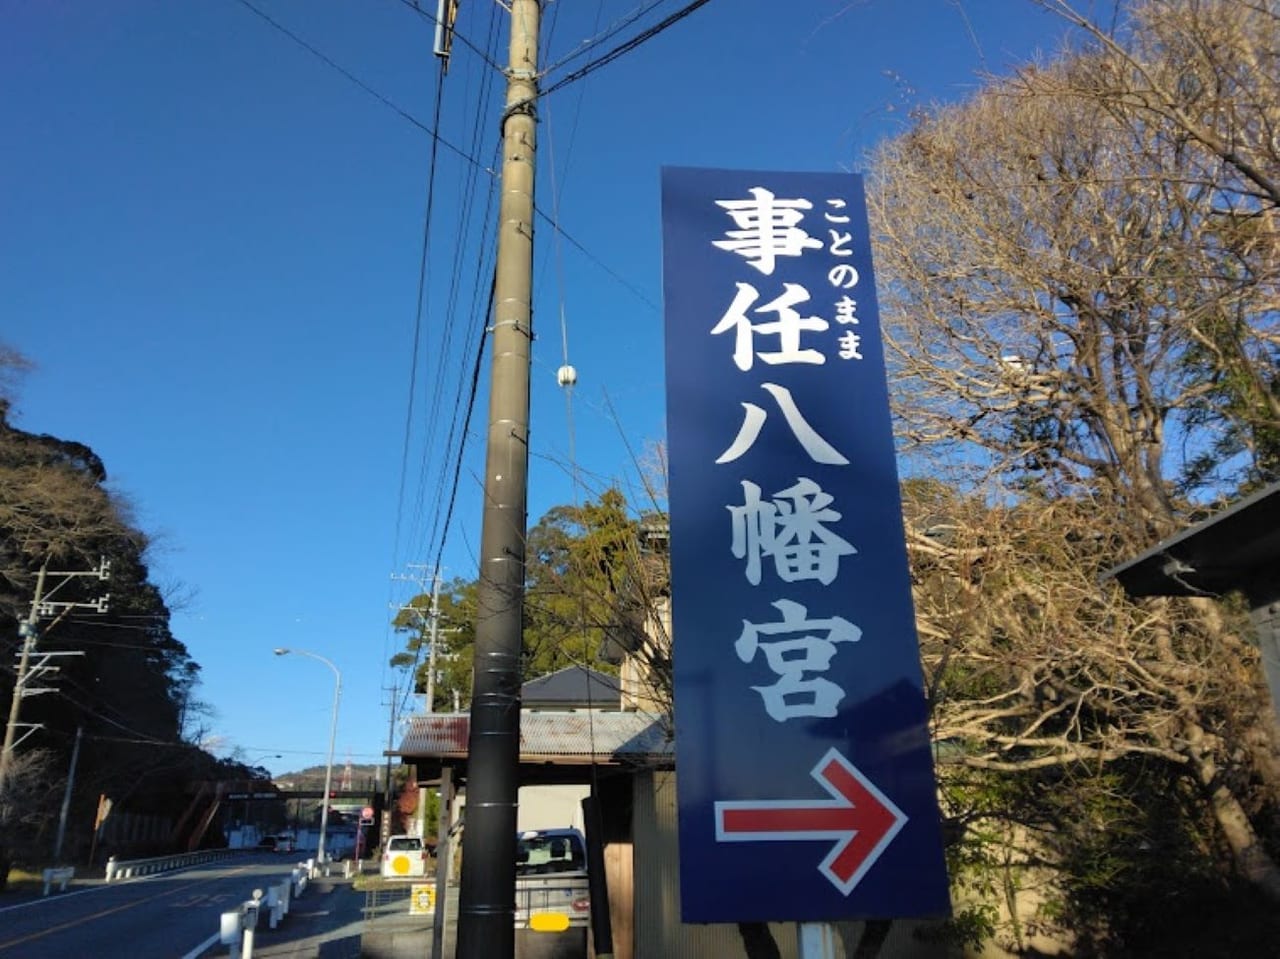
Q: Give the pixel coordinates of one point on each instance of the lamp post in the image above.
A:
(333, 734)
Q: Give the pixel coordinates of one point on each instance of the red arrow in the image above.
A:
(860, 817)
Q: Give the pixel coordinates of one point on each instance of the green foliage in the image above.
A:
(455, 639)
(578, 563)
(579, 558)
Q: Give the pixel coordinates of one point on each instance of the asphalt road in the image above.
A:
(173, 915)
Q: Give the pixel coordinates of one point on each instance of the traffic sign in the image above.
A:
(367, 813)
(800, 713)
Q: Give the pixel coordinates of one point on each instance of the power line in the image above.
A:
(356, 80)
(621, 49)
(447, 367)
(430, 18)
(417, 321)
(639, 294)
(466, 428)
(586, 46)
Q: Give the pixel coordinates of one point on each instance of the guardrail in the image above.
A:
(237, 926)
(129, 868)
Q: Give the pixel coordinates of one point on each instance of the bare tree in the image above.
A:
(26, 798)
(1080, 281)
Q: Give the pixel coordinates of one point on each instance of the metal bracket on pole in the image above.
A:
(42, 668)
(30, 729)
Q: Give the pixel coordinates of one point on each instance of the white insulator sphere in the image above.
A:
(566, 376)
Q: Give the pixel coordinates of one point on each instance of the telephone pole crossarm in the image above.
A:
(29, 631)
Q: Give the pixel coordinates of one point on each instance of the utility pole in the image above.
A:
(384, 827)
(29, 630)
(435, 632)
(434, 617)
(66, 797)
(486, 914)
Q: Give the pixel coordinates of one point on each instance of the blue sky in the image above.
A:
(211, 250)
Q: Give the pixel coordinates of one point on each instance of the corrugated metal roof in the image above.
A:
(615, 736)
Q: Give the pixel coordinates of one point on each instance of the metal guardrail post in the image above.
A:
(250, 911)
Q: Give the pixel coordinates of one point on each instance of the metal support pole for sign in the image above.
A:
(486, 916)
(601, 921)
(444, 856)
(817, 940)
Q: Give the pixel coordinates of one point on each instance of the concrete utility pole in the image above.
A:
(66, 798)
(433, 614)
(486, 914)
(29, 630)
(435, 633)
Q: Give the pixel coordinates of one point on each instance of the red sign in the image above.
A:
(366, 812)
(860, 817)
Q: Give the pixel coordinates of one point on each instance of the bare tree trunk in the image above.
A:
(1253, 861)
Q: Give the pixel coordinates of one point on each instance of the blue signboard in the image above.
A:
(805, 781)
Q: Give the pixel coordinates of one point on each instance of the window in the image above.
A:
(539, 853)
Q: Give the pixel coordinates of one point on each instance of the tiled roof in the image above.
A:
(567, 736)
(573, 686)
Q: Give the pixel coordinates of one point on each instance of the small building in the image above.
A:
(1235, 549)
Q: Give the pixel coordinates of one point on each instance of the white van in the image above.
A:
(404, 858)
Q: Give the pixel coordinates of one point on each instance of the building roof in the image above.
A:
(1230, 550)
(574, 687)
(576, 738)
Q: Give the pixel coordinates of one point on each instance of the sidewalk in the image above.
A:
(326, 922)
(391, 932)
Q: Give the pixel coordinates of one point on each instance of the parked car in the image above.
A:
(552, 894)
(282, 842)
(405, 857)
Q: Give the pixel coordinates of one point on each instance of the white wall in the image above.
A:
(551, 807)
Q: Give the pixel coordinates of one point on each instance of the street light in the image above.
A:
(333, 734)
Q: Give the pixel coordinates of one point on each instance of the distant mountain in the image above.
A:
(364, 778)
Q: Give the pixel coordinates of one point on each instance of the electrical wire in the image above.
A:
(414, 352)
(621, 49)
(385, 101)
(442, 355)
(430, 18)
(581, 248)
(586, 46)
(447, 367)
